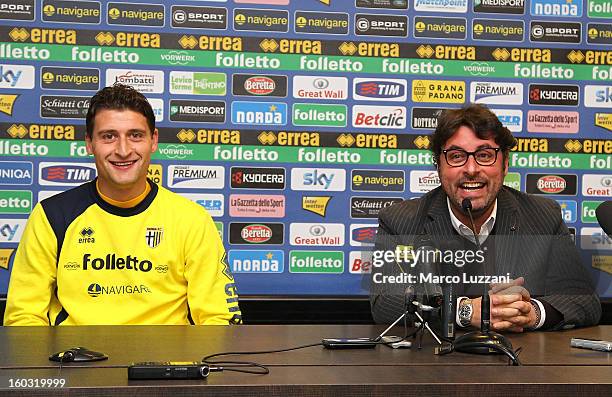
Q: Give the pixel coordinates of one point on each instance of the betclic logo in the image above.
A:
(387, 117)
(65, 174)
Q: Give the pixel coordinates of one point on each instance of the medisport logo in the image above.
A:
(197, 111)
(500, 6)
(320, 87)
(196, 176)
(316, 234)
(569, 210)
(259, 113)
(145, 81)
(318, 179)
(556, 8)
(65, 174)
(512, 119)
(493, 93)
(256, 261)
(213, 203)
(17, 76)
(597, 185)
(423, 181)
(16, 173)
(365, 89)
(363, 235)
(388, 117)
(95, 290)
(11, 230)
(321, 262)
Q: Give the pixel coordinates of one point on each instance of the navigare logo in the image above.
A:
(312, 115)
(318, 179)
(438, 91)
(16, 76)
(197, 111)
(363, 235)
(556, 8)
(597, 185)
(562, 184)
(271, 85)
(316, 234)
(367, 89)
(555, 32)
(459, 6)
(198, 83)
(599, 8)
(11, 230)
(15, 201)
(256, 233)
(196, 17)
(321, 22)
(440, 28)
(369, 207)
(381, 25)
(257, 178)
(65, 174)
(66, 78)
(493, 93)
(256, 261)
(598, 96)
(259, 113)
(553, 122)
(600, 33)
(196, 176)
(360, 262)
(425, 118)
(71, 11)
(213, 203)
(512, 119)
(500, 6)
(320, 262)
(135, 14)
(18, 10)
(145, 81)
(594, 238)
(257, 205)
(377, 180)
(387, 117)
(588, 213)
(64, 107)
(498, 30)
(320, 87)
(569, 210)
(16, 173)
(554, 95)
(316, 204)
(258, 20)
(388, 4)
(423, 181)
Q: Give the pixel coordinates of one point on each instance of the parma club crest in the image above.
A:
(154, 236)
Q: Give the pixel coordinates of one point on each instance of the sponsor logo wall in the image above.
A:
(294, 123)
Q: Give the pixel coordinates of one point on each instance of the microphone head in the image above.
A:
(604, 216)
(466, 204)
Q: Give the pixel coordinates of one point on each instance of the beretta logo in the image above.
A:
(71, 11)
(256, 233)
(555, 32)
(363, 234)
(18, 10)
(512, 119)
(16, 76)
(389, 4)
(441, 6)
(145, 81)
(425, 118)
(251, 19)
(360, 262)
(196, 176)
(369, 207)
(259, 85)
(198, 83)
(135, 14)
(498, 30)
(381, 25)
(197, 111)
(65, 174)
(380, 89)
(16, 173)
(598, 96)
(563, 184)
(556, 8)
(320, 87)
(64, 107)
(254, 261)
(194, 17)
(438, 91)
(65, 78)
(600, 33)
(388, 117)
(496, 93)
(315, 234)
(257, 205)
(318, 179)
(597, 185)
(553, 121)
(321, 22)
(259, 113)
(257, 178)
(554, 95)
(440, 28)
(377, 180)
(500, 6)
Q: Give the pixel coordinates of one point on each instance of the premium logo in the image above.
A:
(257, 178)
(213, 203)
(440, 28)
(321, 22)
(594, 238)
(588, 213)
(17, 76)
(310, 114)
(322, 262)
(198, 83)
(554, 95)
(65, 174)
(423, 181)
(318, 179)
(7, 103)
(363, 235)
(377, 180)
(66, 78)
(498, 30)
(381, 25)
(256, 233)
(360, 262)
(513, 180)
(135, 14)
(259, 85)
(555, 32)
(600, 33)
(438, 91)
(71, 11)
(15, 201)
(512, 119)
(425, 118)
(604, 120)
(11, 230)
(569, 210)
(496, 93)
(369, 207)
(18, 10)
(254, 261)
(441, 6)
(598, 96)
(316, 204)
(153, 237)
(251, 19)
(197, 111)
(500, 6)
(597, 185)
(196, 176)
(16, 173)
(145, 81)
(553, 122)
(562, 184)
(388, 117)
(195, 17)
(316, 234)
(259, 113)
(389, 4)
(320, 87)
(64, 107)
(257, 205)
(599, 8)
(556, 8)
(367, 89)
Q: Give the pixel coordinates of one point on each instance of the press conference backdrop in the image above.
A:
(294, 122)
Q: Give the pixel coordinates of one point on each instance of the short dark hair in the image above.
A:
(119, 97)
(478, 118)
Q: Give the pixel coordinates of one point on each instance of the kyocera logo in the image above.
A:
(66, 174)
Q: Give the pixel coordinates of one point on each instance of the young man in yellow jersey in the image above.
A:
(120, 249)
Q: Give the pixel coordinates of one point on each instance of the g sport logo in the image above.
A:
(65, 174)
(197, 111)
(500, 6)
(213, 203)
(360, 262)
(257, 178)
(318, 179)
(377, 180)
(512, 119)
(62, 11)
(16, 173)
(271, 85)
(366, 89)
(18, 10)
(388, 117)
(369, 207)
(257, 205)
(16, 76)
(256, 261)
(145, 81)
(320, 262)
(137, 14)
(561, 184)
(438, 91)
(554, 95)
(320, 87)
(321, 22)
(597, 185)
(256, 233)
(569, 210)
(197, 83)
(556, 8)
(555, 32)
(11, 230)
(493, 93)
(195, 17)
(196, 176)
(598, 96)
(259, 113)
(66, 78)
(381, 25)
(316, 234)
(363, 235)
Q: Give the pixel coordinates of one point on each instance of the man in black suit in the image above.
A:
(526, 243)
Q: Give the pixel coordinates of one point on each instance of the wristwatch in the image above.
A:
(466, 311)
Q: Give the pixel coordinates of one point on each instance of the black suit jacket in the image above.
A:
(531, 240)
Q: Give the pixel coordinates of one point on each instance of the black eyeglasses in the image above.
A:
(458, 157)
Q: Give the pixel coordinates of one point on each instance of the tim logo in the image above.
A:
(364, 235)
(154, 236)
(62, 174)
(380, 89)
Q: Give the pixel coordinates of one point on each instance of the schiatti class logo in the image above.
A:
(154, 236)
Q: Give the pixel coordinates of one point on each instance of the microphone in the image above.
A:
(604, 217)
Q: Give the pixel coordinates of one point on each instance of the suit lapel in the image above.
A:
(506, 231)
(438, 224)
